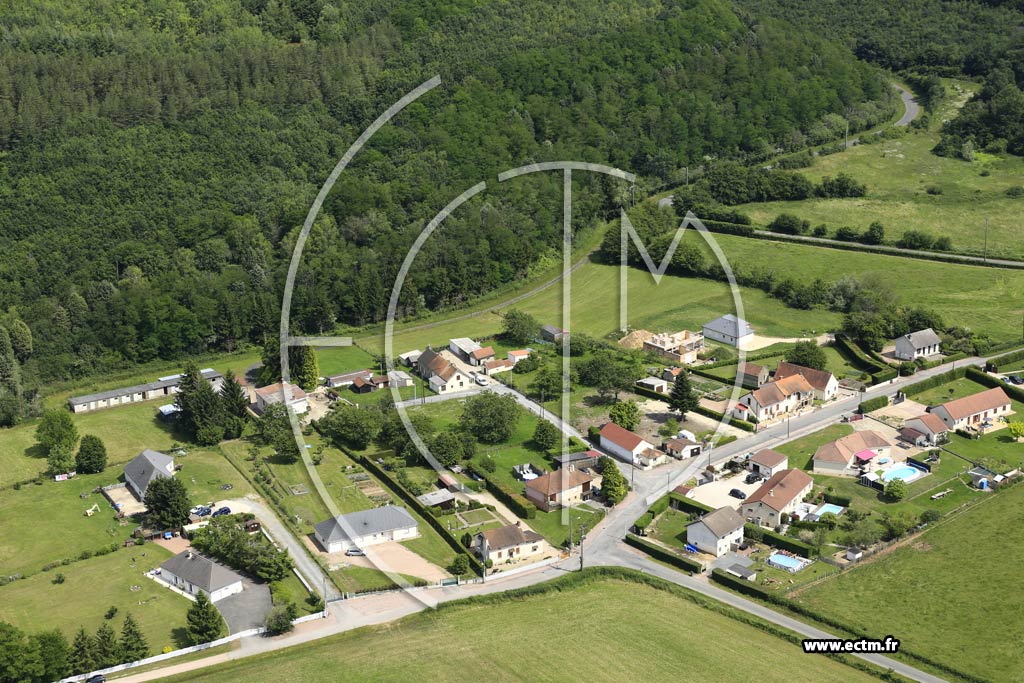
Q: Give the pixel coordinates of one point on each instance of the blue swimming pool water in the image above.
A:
(785, 561)
(829, 507)
(906, 473)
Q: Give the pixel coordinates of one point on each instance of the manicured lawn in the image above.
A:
(46, 523)
(936, 595)
(487, 641)
(949, 391)
(776, 580)
(670, 528)
(90, 588)
(363, 579)
(291, 589)
(897, 173)
(550, 524)
(838, 364)
(996, 447)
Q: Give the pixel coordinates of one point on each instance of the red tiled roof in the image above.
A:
(777, 391)
(818, 379)
(843, 450)
(933, 422)
(556, 482)
(768, 457)
(781, 489)
(621, 437)
(480, 354)
(976, 403)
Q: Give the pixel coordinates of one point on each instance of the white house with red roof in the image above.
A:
(825, 384)
(930, 426)
(517, 355)
(630, 447)
(780, 495)
(282, 392)
(974, 410)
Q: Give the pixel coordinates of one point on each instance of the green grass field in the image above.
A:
(948, 595)
(464, 642)
(90, 588)
(898, 173)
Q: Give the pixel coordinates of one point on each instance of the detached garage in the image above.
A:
(365, 528)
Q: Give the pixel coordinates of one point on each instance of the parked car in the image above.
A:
(222, 511)
(481, 380)
(752, 478)
(203, 511)
(355, 552)
(1016, 379)
(736, 493)
(98, 678)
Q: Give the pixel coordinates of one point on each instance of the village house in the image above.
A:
(580, 459)
(290, 395)
(508, 544)
(716, 532)
(441, 375)
(778, 496)
(767, 462)
(144, 469)
(920, 344)
(192, 573)
(439, 498)
(753, 375)
(655, 384)
(680, 347)
(682, 448)
(365, 528)
(825, 384)
(728, 330)
(496, 365)
(931, 427)
(851, 454)
(346, 379)
(974, 410)
(482, 356)
(562, 488)
(630, 447)
(777, 398)
(164, 386)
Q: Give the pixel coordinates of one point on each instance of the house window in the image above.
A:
(499, 553)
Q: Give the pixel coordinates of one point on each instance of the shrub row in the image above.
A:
(985, 379)
(1011, 357)
(514, 501)
(874, 404)
(416, 505)
(659, 553)
(782, 542)
(750, 358)
(857, 356)
(929, 364)
(687, 504)
(841, 501)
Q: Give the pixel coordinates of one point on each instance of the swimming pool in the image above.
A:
(906, 473)
(785, 562)
(829, 507)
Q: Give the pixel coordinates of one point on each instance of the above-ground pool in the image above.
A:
(829, 507)
(781, 561)
(905, 472)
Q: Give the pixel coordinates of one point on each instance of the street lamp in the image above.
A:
(583, 530)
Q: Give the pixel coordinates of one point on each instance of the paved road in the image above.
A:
(309, 569)
(604, 546)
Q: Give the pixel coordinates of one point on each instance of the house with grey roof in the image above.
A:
(192, 573)
(729, 330)
(717, 532)
(920, 344)
(145, 468)
(365, 528)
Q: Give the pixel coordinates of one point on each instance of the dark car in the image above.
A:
(222, 511)
(1016, 379)
(98, 678)
(203, 511)
(736, 493)
(752, 478)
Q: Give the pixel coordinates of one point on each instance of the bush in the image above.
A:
(687, 504)
(514, 501)
(280, 619)
(933, 190)
(777, 540)
(659, 553)
(58, 578)
(847, 234)
(789, 224)
(873, 404)
(1015, 192)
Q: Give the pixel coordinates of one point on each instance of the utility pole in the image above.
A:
(986, 241)
(582, 530)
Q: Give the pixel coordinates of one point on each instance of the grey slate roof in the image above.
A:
(722, 521)
(172, 381)
(147, 466)
(923, 338)
(200, 571)
(730, 325)
(438, 497)
(365, 523)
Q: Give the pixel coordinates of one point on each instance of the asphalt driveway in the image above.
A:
(248, 609)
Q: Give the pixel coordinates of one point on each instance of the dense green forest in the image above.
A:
(158, 156)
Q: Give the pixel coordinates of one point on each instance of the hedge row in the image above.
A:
(687, 504)
(515, 502)
(874, 404)
(749, 588)
(782, 542)
(659, 553)
(985, 379)
(841, 501)
(750, 358)
(416, 505)
(935, 381)
(857, 356)
(700, 410)
(929, 364)
(1011, 357)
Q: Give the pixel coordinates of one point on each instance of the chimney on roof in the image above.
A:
(771, 492)
(189, 551)
(519, 523)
